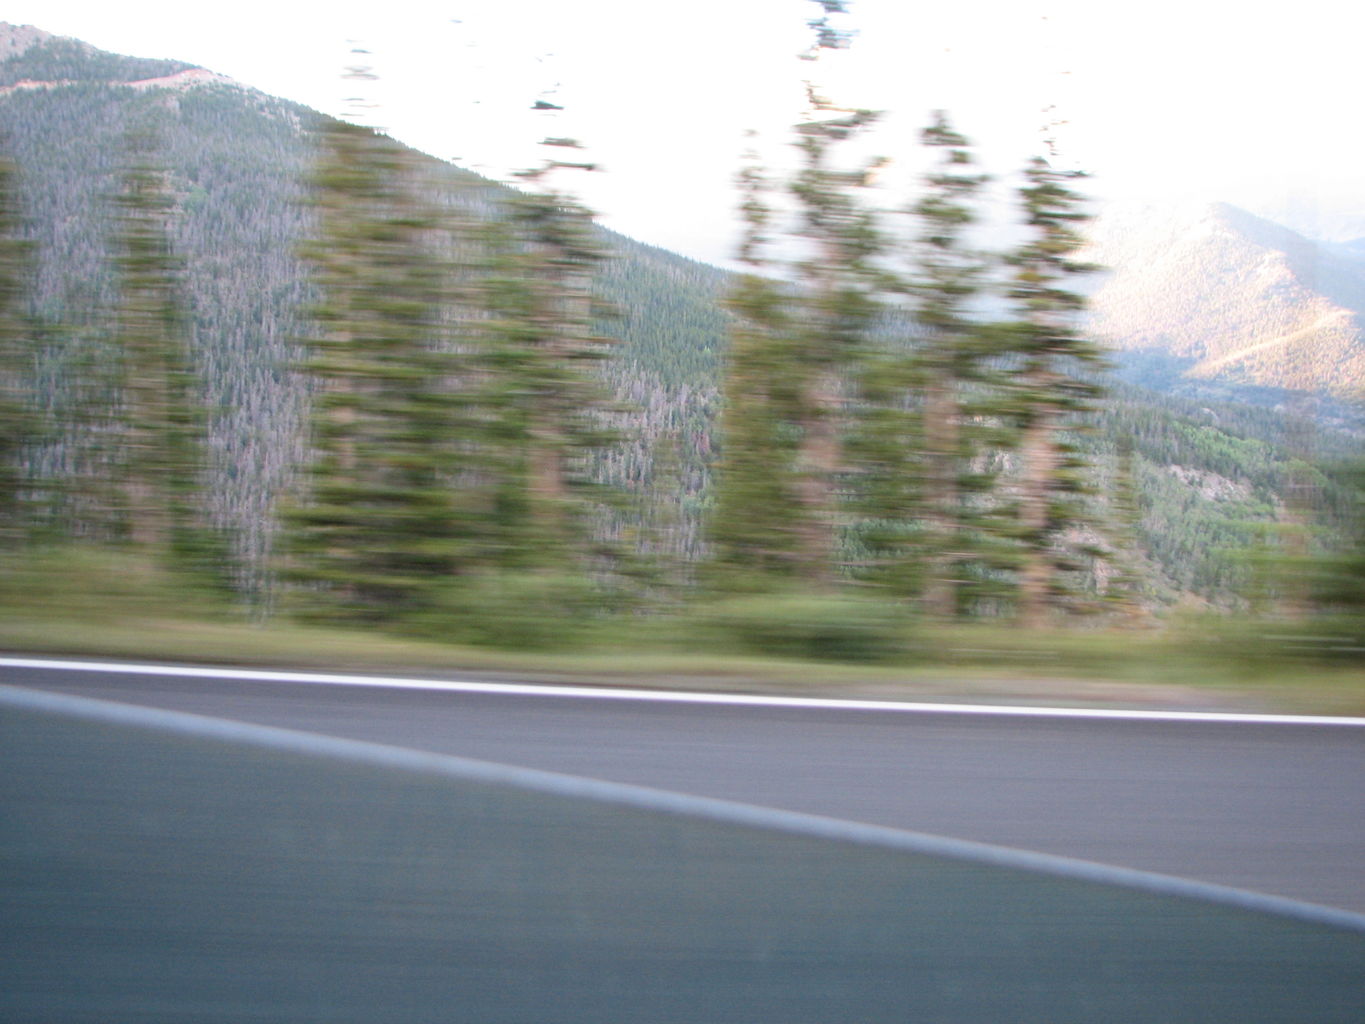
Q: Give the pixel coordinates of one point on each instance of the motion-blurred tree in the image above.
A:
(919, 434)
(1054, 386)
(552, 412)
(1123, 588)
(381, 527)
(839, 284)
(155, 447)
(796, 348)
(455, 418)
(1338, 579)
(17, 411)
(755, 527)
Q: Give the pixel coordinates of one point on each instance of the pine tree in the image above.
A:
(946, 278)
(917, 435)
(839, 284)
(795, 352)
(755, 528)
(155, 445)
(1055, 385)
(1337, 579)
(18, 414)
(553, 415)
(1123, 588)
(382, 527)
(457, 416)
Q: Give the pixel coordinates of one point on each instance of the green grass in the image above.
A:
(97, 604)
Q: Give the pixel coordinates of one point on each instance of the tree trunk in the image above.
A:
(818, 463)
(941, 442)
(1039, 456)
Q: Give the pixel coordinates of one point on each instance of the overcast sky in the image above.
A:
(1192, 98)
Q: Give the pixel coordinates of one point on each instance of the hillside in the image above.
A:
(1208, 473)
(1230, 297)
(236, 158)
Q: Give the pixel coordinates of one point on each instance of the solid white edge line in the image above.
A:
(668, 696)
(669, 802)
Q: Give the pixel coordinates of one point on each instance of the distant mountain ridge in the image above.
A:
(15, 39)
(1237, 298)
(186, 79)
(32, 55)
(81, 59)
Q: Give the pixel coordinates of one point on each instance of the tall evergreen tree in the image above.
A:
(839, 283)
(1123, 586)
(155, 446)
(756, 527)
(456, 418)
(795, 351)
(382, 527)
(946, 278)
(1055, 384)
(17, 408)
(552, 412)
(1337, 580)
(918, 434)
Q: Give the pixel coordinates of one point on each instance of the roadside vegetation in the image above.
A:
(96, 604)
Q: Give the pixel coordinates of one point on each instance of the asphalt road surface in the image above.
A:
(1274, 807)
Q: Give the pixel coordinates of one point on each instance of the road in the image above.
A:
(1275, 807)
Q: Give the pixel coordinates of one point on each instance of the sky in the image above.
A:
(1196, 99)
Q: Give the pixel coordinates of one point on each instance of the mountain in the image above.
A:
(34, 59)
(15, 39)
(1230, 297)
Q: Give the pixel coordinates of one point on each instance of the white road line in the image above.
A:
(667, 696)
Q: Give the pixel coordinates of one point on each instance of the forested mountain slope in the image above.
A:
(237, 160)
(1230, 296)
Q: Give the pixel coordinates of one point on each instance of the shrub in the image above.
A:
(519, 611)
(813, 627)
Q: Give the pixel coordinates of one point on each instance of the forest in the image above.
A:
(275, 368)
